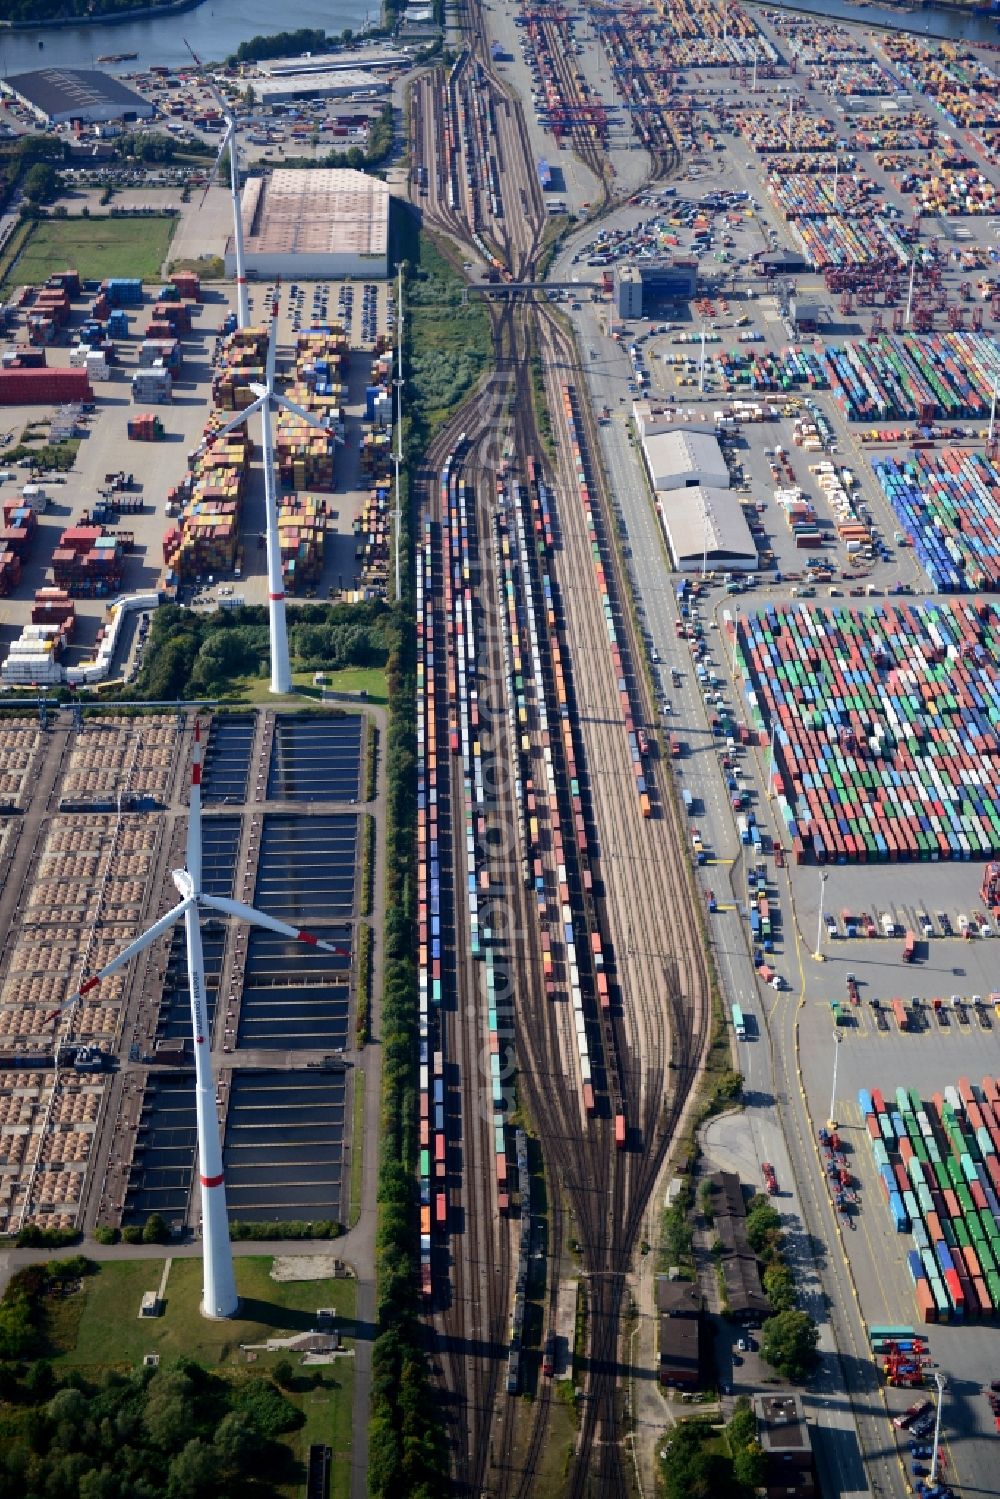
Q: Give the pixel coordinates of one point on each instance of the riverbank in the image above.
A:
(118, 18)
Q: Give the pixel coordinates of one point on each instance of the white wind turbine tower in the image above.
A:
(267, 397)
(229, 139)
(220, 1298)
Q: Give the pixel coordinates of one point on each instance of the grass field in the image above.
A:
(96, 247)
(110, 1332)
(99, 1325)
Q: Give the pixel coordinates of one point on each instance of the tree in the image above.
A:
(763, 1226)
(169, 1414)
(750, 1465)
(194, 1472)
(155, 1230)
(41, 183)
(237, 1441)
(788, 1343)
(283, 1373)
(779, 1287)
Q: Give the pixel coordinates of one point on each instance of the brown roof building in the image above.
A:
(784, 1435)
(682, 1332)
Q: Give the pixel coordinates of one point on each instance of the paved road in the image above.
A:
(769, 1064)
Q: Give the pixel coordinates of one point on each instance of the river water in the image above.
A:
(214, 28)
(930, 23)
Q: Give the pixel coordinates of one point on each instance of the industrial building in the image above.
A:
(681, 459)
(58, 96)
(324, 224)
(784, 1436)
(368, 58)
(336, 83)
(740, 1270)
(643, 287)
(682, 1332)
(706, 528)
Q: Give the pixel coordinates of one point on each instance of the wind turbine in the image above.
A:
(281, 670)
(229, 139)
(220, 1299)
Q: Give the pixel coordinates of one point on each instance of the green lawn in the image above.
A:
(96, 247)
(110, 1331)
(351, 679)
(100, 1326)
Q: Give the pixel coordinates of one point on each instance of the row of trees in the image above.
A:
(33, 12)
(790, 1337)
(406, 1446)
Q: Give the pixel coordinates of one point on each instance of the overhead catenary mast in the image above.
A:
(219, 1297)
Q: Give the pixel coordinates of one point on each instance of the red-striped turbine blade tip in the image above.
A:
(307, 937)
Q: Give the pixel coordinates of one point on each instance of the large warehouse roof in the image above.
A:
(683, 457)
(337, 212)
(61, 94)
(331, 85)
(706, 524)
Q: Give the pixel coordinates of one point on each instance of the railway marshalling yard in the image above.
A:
(565, 853)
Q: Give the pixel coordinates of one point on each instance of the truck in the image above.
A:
(909, 947)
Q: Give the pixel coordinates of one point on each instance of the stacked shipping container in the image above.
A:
(938, 1163)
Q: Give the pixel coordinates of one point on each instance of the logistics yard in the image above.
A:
(707, 692)
(841, 347)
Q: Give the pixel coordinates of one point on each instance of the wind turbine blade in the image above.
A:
(260, 391)
(194, 814)
(234, 421)
(226, 139)
(124, 957)
(258, 918)
(307, 416)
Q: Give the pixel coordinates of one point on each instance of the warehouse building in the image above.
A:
(315, 225)
(706, 528)
(682, 1333)
(368, 58)
(681, 459)
(335, 84)
(58, 96)
(740, 1270)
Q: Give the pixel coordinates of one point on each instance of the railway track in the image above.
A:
(647, 1049)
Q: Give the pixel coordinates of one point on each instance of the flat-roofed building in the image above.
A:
(315, 224)
(59, 95)
(784, 1436)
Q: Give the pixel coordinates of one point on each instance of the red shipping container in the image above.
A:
(933, 1226)
(43, 387)
(993, 1167)
(954, 1287)
(965, 1091)
(978, 1196)
(871, 1121)
(926, 1305)
(951, 1205)
(878, 1102)
(905, 1150)
(902, 1180)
